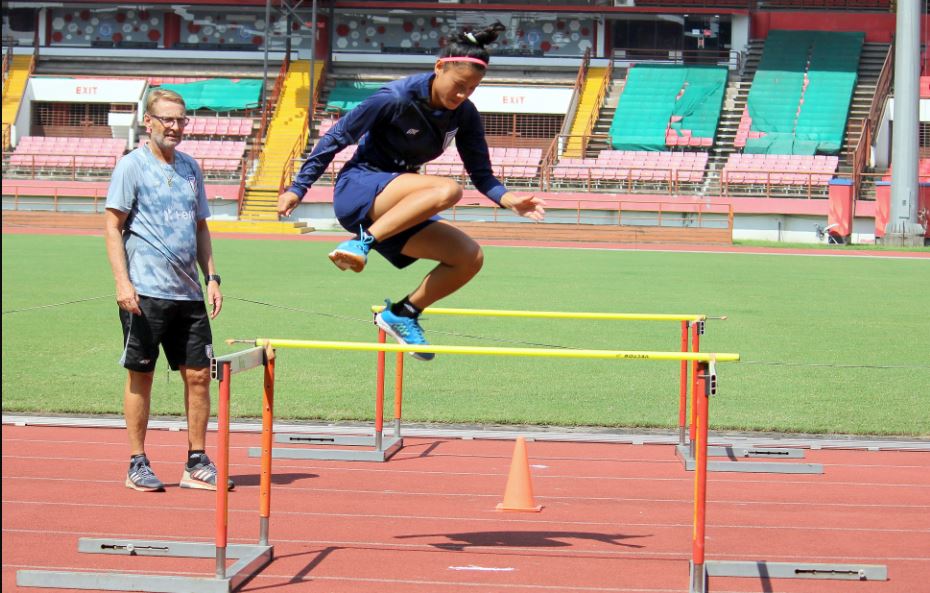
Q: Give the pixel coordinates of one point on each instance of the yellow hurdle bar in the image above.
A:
(496, 351)
(554, 314)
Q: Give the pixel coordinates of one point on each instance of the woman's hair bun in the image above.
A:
(471, 44)
(483, 37)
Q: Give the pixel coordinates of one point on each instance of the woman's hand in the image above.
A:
(528, 205)
(287, 202)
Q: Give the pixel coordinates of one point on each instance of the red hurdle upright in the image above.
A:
(250, 558)
(705, 385)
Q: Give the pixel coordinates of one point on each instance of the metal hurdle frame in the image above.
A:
(685, 450)
(700, 567)
(382, 445)
(378, 447)
(250, 558)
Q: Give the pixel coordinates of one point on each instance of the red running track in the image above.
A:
(616, 517)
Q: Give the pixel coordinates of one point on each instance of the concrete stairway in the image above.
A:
(284, 130)
(870, 67)
(600, 140)
(14, 87)
(734, 103)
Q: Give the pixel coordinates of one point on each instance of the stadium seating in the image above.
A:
(782, 170)
(345, 95)
(508, 163)
(668, 106)
(215, 155)
(515, 163)
(160, 80)
(59, 152)
(800, 95)
(219, 126)
(620, 169)
(745, 131)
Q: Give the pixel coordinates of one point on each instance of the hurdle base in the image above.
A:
(684, 453)
(373, 451)
(792, 570)
(697, 580)
(250, 560)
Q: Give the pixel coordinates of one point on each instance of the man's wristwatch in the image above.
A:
(214, 278)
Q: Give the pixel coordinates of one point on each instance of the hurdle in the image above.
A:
(700, 567)
(382, 445)
(250, 558)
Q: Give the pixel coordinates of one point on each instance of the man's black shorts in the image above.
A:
(181, 327)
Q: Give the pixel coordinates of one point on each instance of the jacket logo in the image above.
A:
(412, 132)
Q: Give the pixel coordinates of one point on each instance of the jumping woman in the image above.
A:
(381, 196)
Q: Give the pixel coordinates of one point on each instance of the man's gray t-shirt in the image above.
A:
(165, 203)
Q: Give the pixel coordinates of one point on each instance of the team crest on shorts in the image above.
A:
(209, 350)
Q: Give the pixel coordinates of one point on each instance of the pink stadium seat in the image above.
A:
(780, 169)
(67, 153)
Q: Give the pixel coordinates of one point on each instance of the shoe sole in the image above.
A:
(188, 482)
(424, 356)
(129, 484)
(347, 261)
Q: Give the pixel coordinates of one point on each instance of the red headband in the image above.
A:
(464, 59)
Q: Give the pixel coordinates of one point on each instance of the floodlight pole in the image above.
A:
(903, 227)
(312, 59)
(265, 63)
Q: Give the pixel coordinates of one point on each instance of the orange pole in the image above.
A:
(264, 510)
(398, 386)
(222, 471)
(379, 387)
(683, 387)
(700, 471)
(696, 347)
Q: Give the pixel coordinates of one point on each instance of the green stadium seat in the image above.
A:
(662, 105)
(800, 97)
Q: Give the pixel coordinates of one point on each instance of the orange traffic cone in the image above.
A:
(519, 493)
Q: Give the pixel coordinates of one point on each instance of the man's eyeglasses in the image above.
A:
(171, 121)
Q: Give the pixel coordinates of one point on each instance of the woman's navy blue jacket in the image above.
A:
(397, 131)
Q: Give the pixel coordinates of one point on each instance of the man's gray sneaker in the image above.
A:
(141, 477)
(202, 475)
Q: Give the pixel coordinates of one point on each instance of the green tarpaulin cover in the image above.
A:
(800, 95)
(219, 94)
(653, 94)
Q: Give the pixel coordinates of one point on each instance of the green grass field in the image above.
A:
(829, 344)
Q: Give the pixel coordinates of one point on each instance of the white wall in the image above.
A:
(739, 32)
(22, 125)
(881, 144)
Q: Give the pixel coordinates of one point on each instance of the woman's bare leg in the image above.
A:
(459, 257)
(406, 201)
(410, 199)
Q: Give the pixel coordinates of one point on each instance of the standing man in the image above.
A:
(156, 235)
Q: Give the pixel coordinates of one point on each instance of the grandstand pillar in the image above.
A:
(266, 43)
(313, 41)
(903, 227)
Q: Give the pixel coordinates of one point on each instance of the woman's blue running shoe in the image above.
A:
(406, 330)
(353, 254)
